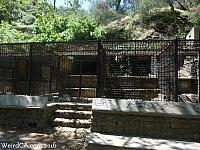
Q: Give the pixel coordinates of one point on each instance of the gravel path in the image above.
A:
(54, 138)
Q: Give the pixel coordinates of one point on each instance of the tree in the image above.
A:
(52, 27)
(183, 4)
(123, 5)
(54, 4)
(10, 35)
(103, 12)
(6, 8)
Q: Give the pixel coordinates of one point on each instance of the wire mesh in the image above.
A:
(156, 70)
(151, 70)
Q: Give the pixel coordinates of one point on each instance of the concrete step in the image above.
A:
(73, 114)
(74, 106)
(85, 92)
(76, 133)
(97, 141)
(74, 123)
(70, 129)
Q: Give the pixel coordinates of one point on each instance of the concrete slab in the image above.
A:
(112, 142)
(193, 34)
(9, 100)
(144, 107)
(30, 101)
(23, 101)
(39, 101)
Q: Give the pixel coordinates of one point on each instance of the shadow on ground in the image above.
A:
(56, 138)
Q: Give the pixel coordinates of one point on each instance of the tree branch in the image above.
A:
(182, 6)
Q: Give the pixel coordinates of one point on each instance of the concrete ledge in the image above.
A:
(23, 101)
(145, 107)
(166, 120)
(97, 141)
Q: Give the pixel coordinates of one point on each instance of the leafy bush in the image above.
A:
(52, 27)
(167, 22)
(10, 35)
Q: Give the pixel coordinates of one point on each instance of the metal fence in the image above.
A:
(166, 70)
(45, 68)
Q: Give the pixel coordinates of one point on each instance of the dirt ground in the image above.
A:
(52, 138)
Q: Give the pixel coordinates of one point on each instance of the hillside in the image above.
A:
(160, 24)
(39, 21)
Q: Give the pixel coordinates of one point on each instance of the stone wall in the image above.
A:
(177, 121)
(25, 111)
(24, 117)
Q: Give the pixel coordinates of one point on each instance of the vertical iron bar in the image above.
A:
(50, 80)
(198, 71)
(176, 70)
(3, 81)
(30, 70)
(80, 79)
(99, 70)
(14, 78)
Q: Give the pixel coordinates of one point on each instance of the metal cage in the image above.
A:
(154, 70)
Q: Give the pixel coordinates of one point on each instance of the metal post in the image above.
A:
(30, 70)
(176, 71)
(198, 72)
(50, 81)
(3, 80)
(99, 70)
(14, 78)
(80, 79)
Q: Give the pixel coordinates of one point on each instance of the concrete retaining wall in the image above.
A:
(177, 121)
(24, 111)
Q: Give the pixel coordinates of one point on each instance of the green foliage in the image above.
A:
(193, 19)
(52, 27)
(146, 7)
(104, 13)
(169, 22)
(37, 20)
(10, 35)
(158, 18)
(19, 10)
(6, 8)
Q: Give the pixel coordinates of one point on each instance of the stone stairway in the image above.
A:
(74, 114)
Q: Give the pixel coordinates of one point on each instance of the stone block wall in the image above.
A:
(162, 120)
(24, 117)
(164, 127)
(24, 111)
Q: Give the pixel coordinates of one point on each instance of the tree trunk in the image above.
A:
(182, 6)
(118, 5)
(54, 4)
